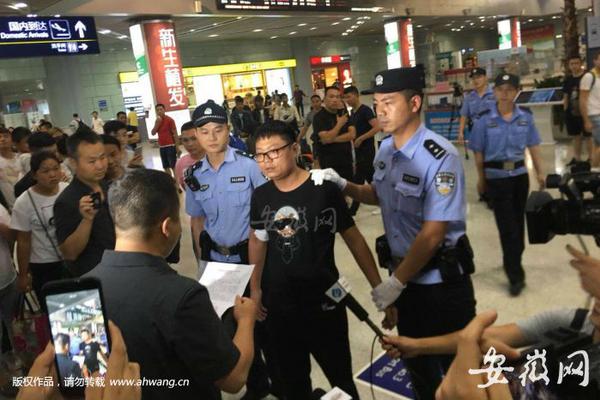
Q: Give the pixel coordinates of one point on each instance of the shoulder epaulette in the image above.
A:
(245, 154)
(482, 113)
(526, 109)
(435, 149)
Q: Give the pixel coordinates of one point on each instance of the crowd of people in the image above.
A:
(114, 220)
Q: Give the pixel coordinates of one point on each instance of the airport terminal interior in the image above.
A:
(59, 58)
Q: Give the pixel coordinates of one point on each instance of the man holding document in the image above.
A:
(167, 320)
(291, 242)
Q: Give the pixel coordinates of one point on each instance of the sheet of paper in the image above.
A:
(224, 282)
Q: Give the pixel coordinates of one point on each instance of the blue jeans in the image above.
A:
(595, 119)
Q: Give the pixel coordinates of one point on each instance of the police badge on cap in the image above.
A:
(507, 79)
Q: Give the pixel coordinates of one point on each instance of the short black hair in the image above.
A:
(20, 133)
(121, 112)
(112, 127)
(160, 105)
(131, 108)
(46, 124)
(238, 99)
(75, 115)
(315, 95)
(86, 330)
(109, 139)
(410, 93)
(84, 134)
(61, 145)
(188, 126)
(39, 157)
(39, 141)
(62, 340)
(328, 88)
(574, 57)
(351, 89)
(142, 199)
(4, 131)
(275, 128)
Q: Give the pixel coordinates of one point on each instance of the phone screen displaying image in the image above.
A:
(80, 336)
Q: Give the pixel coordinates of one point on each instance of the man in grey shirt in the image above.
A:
(315, 107)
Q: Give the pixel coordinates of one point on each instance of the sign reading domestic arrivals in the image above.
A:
(47, 36)
(285, 5)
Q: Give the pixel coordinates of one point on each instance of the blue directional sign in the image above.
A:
(47, 36)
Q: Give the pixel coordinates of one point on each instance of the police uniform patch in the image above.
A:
(238, 179)
(204, 188)
(381, 165)
(444, 182)
(523, 122)
(435, 149)
(412, 180)
(244, 154)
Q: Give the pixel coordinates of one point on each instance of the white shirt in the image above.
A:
(593, 104)
(25, 219)
(24, 163)
(287, 114)
(98, 125)
(7, 269)
(10, 171)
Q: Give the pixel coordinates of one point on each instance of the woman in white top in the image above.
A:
(33, 220)
(287, 113)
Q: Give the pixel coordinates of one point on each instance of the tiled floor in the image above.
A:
(550, 280)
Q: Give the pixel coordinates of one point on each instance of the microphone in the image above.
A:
(340, 293)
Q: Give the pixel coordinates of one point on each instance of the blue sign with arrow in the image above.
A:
(47, 36)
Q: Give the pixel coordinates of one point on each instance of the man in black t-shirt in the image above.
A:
(291, 244)
(573, 118)
(333, 134)
(365, 122)
(84, 227)
(90, 349)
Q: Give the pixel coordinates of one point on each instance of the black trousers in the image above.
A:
(262, 368)
(431, 310)
(345, 170)
(509, 196)
(364, 172)
(294, 336)
(43, 273)
(300, 108)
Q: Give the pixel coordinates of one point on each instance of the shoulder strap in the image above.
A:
(435, 149)
(43, 225)
(579, 319)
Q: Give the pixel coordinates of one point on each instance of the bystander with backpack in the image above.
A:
(573, 118)
(589, 105)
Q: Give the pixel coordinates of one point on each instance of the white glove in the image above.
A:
(328, 174)
(387, 292)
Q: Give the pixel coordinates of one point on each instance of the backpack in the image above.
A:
(574, 101)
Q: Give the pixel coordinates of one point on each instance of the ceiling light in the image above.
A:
(419, 26)
(215, 23)
(541, 20)
(302, 24)
(18, 6)
(558, 36)
(529, 20)
(213, 35)
(239, 18)
(104, 31)
(360, 22)
(482, 17)
(274, 37)
(448, 24)
(344, 33)
(257, 30)
(472, 23)
(482, 26)
(122, 37)
(462, 27)
(31, 15)
(335, 23)
(590, 9)
(346, 19)
(293, 33)
(192, 30)
(57, 16)
(354, 26)
(313, 28)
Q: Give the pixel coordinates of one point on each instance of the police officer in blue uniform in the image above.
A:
(477, 100)
(499, 139)
(419, 184)
(218, 192)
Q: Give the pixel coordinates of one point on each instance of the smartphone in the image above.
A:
(96, 199)
(79, 330)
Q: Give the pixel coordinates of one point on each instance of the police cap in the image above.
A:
(477, 71)
(209, 112)
(398, 79)
(509, 79)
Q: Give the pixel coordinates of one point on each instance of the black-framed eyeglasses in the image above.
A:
(271, 154)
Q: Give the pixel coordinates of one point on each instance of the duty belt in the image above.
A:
(504, 165)
(229, 251)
